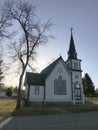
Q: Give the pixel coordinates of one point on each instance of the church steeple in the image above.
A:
(72, 54)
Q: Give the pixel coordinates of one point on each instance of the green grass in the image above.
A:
(7, 108)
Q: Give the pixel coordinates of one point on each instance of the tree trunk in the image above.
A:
(19, 90)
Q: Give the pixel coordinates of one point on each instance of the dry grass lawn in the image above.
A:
(92, 100)
(7, 108)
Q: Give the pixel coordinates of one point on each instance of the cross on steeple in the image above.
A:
(71, 29)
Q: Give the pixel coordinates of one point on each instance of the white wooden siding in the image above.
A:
(49, 93)
(35, 97)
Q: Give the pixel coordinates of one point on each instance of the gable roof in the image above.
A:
(39, 78)
(50, 67)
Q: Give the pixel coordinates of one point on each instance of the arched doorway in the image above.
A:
(77, 91)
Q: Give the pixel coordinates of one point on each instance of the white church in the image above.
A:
(60, 82)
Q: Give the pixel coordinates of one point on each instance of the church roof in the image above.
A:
(50, 67)
(35, 78)
(72, 54)
(39, 78)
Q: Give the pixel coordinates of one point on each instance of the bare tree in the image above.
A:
(33, 34)
(4, 24)
(1, 74)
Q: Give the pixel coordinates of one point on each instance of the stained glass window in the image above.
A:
(60, 86)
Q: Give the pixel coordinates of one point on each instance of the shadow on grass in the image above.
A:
(8, 109)
(50, 110)
(82, 121)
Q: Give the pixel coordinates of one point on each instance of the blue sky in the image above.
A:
(82, 15)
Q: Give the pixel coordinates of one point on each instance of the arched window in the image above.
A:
(64, 87)
(60, 86)
(77, 90)
(55, 86)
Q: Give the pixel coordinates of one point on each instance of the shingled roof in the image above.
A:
(72, 54)
(50, 67)
(39, 78)
(35, 78)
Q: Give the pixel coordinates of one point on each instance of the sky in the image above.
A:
(82, 15)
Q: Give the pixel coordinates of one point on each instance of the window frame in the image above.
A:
(60, 86)
(36, 90)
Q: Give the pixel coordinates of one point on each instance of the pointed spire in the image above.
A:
(72, 54)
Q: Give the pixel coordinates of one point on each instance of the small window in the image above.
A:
(76, 77)
(75, 65)
(36, 90)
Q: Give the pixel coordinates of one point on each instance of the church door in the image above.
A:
(77, 91)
